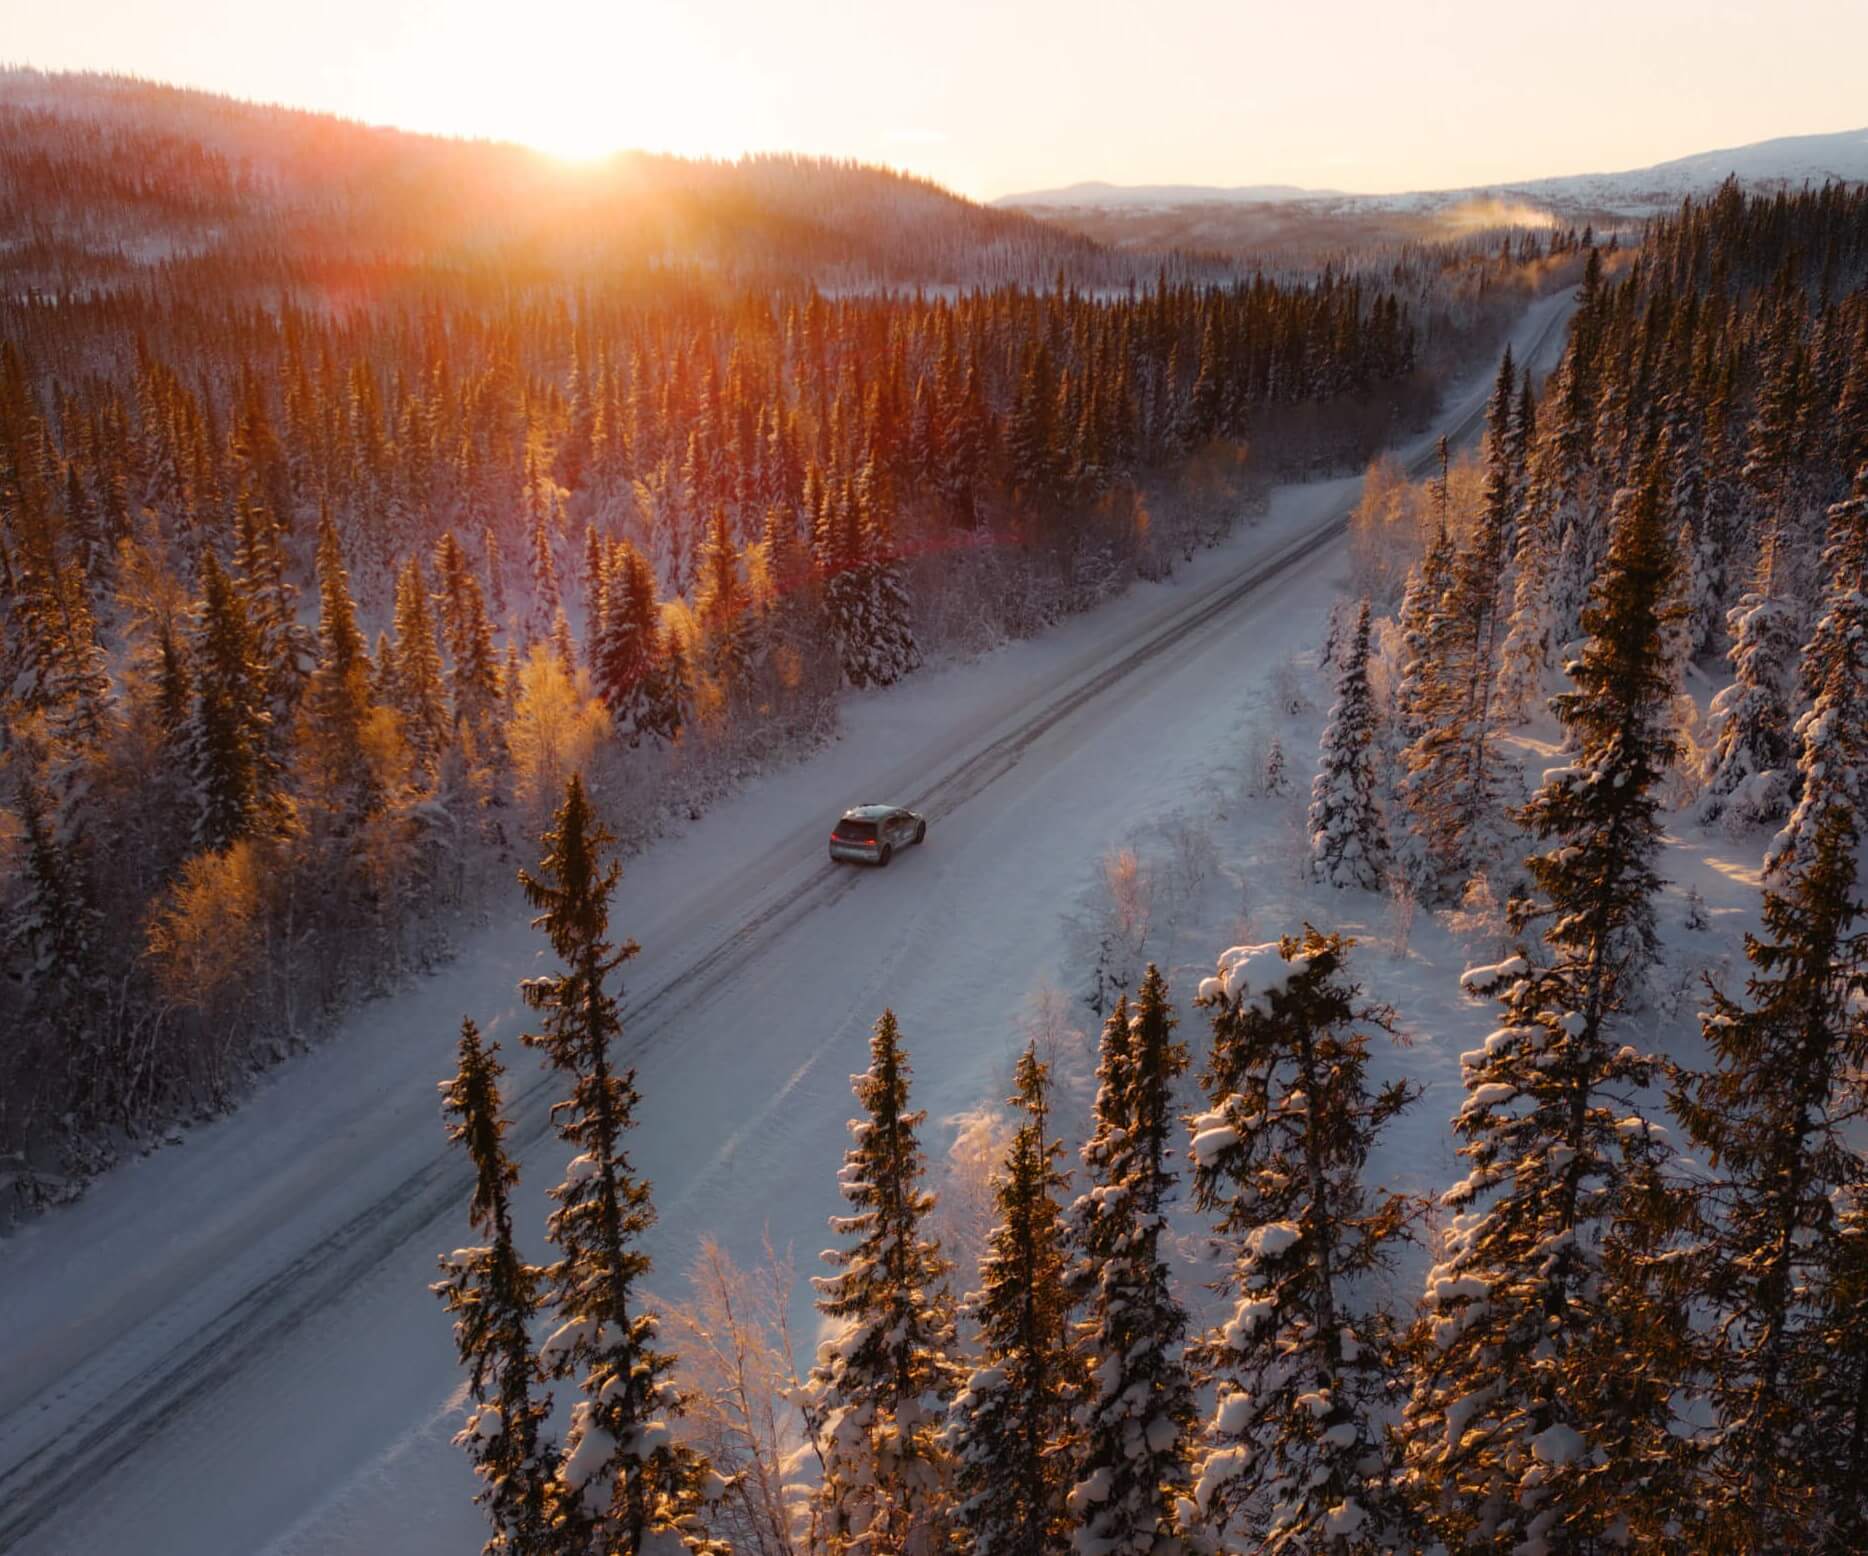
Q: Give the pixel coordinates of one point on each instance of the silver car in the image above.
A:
(871, 834)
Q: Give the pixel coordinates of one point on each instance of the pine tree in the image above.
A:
(337, 702)
(283, 649)
(494, 1295)
(1348, 845)
(1010, 1428)
(1454, 787)
(1748, 775)
(55, 933)
(546, 600)
(1833, 730)
(1426, 582)
(1777, 1118)
(1296, 1456)
(474, 678)
(882, 1382)
(1541, 1415)
(625, 1485)
(631, 656)
(724, 610)
(1139, 1407)
(227, 741)
(420, 692)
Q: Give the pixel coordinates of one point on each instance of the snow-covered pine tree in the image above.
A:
(724, 608)
(421, 695)
(283, 648)
(546, 597)
(1748, 775)
(1525, 656)
(1306, 1369)
(336, 707)
(53, 936)
(1426, 582)
(1010, 1427)
(474, 677)
(1778, 1119)
(632, 653)
(1348, 846)
(1833, 730)
(1138, 1408)
(1840, 1392)
(228, 740)
(1453, 786)
(625, 1487)
(1273, 779)
(1539, 1417)
(493, 1294)
(881, 1384)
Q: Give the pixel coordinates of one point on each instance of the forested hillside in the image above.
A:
(1644, 1319)
(331, 539)
(104, 176)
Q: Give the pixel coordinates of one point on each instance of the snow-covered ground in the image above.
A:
(228, 1346)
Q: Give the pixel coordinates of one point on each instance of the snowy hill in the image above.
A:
(1271, 215)
(218, 178)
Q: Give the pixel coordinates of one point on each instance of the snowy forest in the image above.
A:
(1644, 1322)
(389, 521)
(320, 571)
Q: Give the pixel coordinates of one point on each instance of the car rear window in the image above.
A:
(857, 831)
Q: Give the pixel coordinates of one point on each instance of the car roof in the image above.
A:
(869, 812)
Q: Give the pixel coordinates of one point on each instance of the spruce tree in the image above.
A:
(1539, 1419)
(420, 692)
(1426, 582)
(1307, 1369)
(1348, 845)
(1138, 1410)
(1454, 787)
(1778, 1118)
(723, 606)
(337, 702)
(474, 678)
(493, 1294)
(1833, 730)
(228, 738)
(882, 1382)
(1748, 776)
(624, 1484)
(1010, 1425)
(631, 671)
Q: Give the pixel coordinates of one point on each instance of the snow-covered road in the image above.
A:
(228, 1346)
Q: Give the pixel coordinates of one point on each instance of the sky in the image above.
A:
(997, 98)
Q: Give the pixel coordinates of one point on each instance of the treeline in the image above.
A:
(1618, 1346)
(308, 605)
(1641, 1333)
(1723, 378)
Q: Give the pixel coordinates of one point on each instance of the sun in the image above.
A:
(644, 75)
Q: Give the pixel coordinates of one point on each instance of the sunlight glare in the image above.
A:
(640, 76)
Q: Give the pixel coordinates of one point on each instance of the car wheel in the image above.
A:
(921, 833)
(882, 859)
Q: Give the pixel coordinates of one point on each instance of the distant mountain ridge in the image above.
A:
(1789, 160)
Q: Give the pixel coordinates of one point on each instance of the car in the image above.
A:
(871, 834)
